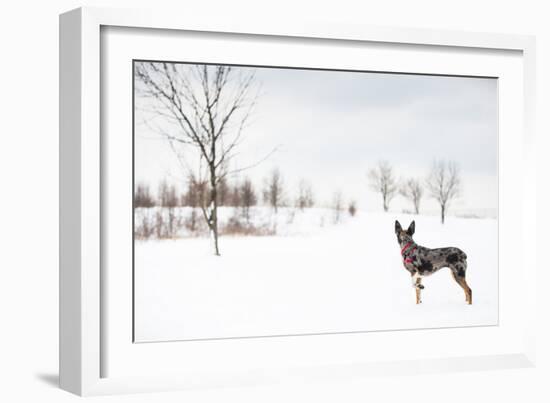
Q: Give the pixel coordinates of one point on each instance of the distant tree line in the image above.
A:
(442, 184)
(240, 194)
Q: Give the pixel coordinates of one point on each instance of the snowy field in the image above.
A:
(314, 276)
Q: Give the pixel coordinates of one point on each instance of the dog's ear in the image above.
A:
(398, 228)
(410, 230)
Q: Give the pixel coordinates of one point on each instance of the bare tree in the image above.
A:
(195, 193)
(191, 221)
(305, 195)
(247, 197)
(202, 108)
(159, 224)
(412, 190)
(273, 190)
(443, 184)
(167, 195)
(193, 197)
(382, 180)
(337, 205)
(143, 197)
(235, 194)
(168, 199)
(223, 192)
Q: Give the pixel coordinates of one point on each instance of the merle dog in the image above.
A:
(421, 261)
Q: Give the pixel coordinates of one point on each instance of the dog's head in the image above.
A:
(404, 235)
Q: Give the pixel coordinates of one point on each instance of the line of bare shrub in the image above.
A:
(237, 226)
(170, 223)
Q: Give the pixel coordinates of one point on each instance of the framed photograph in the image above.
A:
(243, 204)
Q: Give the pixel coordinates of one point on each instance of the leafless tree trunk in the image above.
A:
(168, 199)
(305, 195)
(223, 192)
(382, 180)
(443, 184)
(159, 224)
(235, 194)
(167, 195)
(248, 197)
(204, 108)
(193, 197)
(412, 190)
(273, 191)
(337, 206)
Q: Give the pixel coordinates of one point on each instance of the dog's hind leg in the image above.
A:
(459, 274)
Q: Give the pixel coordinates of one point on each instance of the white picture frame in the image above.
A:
(85, 347)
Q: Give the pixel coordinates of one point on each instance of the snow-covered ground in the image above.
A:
(314, 276)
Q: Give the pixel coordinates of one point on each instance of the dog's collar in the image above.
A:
(407, 251)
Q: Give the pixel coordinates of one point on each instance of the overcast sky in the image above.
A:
(332, 127)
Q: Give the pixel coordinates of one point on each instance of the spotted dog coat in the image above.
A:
(421, 261)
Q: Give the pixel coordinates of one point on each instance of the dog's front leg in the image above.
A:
(417, 284)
